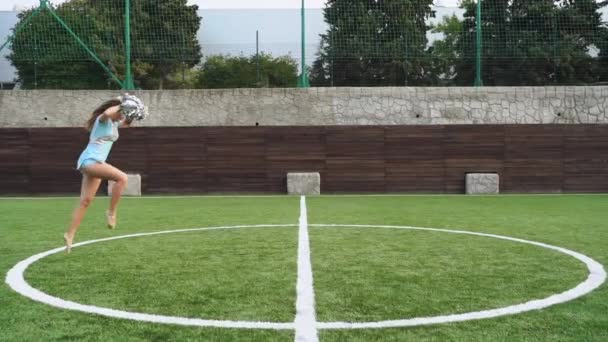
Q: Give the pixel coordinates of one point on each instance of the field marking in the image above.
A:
(597, 276)
(316, 196)
(16, 281)
(305, 322)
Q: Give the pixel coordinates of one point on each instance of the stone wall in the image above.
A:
(320, 106)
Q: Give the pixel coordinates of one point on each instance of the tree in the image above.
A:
(165, 41)
(444, 53)
(531, 42)
(372, 43)
(45, 55)
(163, 37)
(320, 73)
(241, 72)
(582, 32)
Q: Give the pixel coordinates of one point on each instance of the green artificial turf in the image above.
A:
(360, 274)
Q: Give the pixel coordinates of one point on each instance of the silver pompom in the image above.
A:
(132, 107)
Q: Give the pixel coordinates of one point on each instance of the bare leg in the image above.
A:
(87, 193)
(107, 171)
(117, 190)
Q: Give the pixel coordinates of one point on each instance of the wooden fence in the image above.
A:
(355, 159)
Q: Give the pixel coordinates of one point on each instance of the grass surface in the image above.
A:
(360, 274)
(378, 274)
(242, 274)
(579, 223)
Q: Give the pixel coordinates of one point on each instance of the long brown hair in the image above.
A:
(97, 112)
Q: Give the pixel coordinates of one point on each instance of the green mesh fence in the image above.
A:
(533, 43)
(82, 44)
(347, 43)
(370, 43)
(418, 43)
(164, 42)
(67, 46)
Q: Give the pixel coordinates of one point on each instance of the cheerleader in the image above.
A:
(103, 126)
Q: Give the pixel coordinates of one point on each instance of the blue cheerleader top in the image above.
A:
(103, 135)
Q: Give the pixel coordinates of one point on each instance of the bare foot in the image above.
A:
(68, 243)
(111, 220)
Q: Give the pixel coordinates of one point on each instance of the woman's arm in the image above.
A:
(112, 113)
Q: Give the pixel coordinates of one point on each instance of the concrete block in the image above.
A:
(304, 183)
(133, 186)
(482, 183)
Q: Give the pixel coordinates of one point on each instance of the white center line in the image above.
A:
(305, 322)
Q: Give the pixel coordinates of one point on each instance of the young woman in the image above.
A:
(103, 125)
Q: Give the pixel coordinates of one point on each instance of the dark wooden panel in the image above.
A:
(176, 160)
(529, 158)
(14, 161)
(236, 159)
(414, 159)
(471, 149)
(53, 157)
(533, 158)
(586, 158)
(355, 159)
(293, 149)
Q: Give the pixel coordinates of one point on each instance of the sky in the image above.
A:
(9, 5)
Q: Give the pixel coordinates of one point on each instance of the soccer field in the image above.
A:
(238, 269)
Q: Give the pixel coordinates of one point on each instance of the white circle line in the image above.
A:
(16, 281)
(597, 276)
